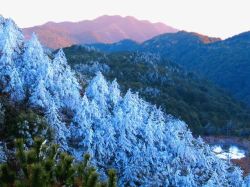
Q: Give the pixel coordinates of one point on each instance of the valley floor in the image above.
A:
(244, 163)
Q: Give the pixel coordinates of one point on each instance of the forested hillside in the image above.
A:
(207, 109)
(224, 62)
(146, 146)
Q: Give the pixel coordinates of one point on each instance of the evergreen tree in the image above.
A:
(35, 64)
(58, 127)
(144, 145)
(40, 96)
(44, 165)
(63, 84)
(114, 93)
(82, 138)
(11, 40)
(98, 90)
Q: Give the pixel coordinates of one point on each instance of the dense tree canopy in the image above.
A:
(207, 109)
(146, 146)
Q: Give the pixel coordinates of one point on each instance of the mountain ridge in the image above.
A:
(107, 29)
(193, 39)
(206, 108)
(224, 62)
(146, 146)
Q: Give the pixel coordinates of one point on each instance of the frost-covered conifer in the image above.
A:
(81, 132)
(114, 93)
(10, 42)
(58, 127)
(63, 83)
(144, 145)
(10, 79)
(35, 64)
(11, 35)
(98, 90)
(40, 96)
(152, 148)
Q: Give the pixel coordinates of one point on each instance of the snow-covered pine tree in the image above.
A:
(35, 64)
(11, 34)
(63, 84)
(144, 145)
(81, 132)
(11, 40)
(98, 90)
(152, 148)
(59, 128)
(114, 93)
(40, 96)
(10, 80)
(100, 108)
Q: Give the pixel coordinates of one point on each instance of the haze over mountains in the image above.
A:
(104, 29)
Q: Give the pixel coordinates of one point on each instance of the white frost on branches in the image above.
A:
(144, 145)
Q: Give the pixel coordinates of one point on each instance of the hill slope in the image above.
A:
(226, 62)
(146, 146)
(105, 29)
(207, 109)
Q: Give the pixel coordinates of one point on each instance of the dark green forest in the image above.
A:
(207, 109)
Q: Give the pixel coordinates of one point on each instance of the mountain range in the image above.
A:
(41, 97)
(207, 109)
(105, 29)
(224, 62)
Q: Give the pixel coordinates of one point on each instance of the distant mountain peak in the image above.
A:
(242, 37)
(103, 29)
(205, 38)
(108, 17)
(184, 35)
(146, 146)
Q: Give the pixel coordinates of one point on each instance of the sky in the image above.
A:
(219, 18)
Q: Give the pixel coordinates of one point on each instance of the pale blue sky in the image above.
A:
(222, 18)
